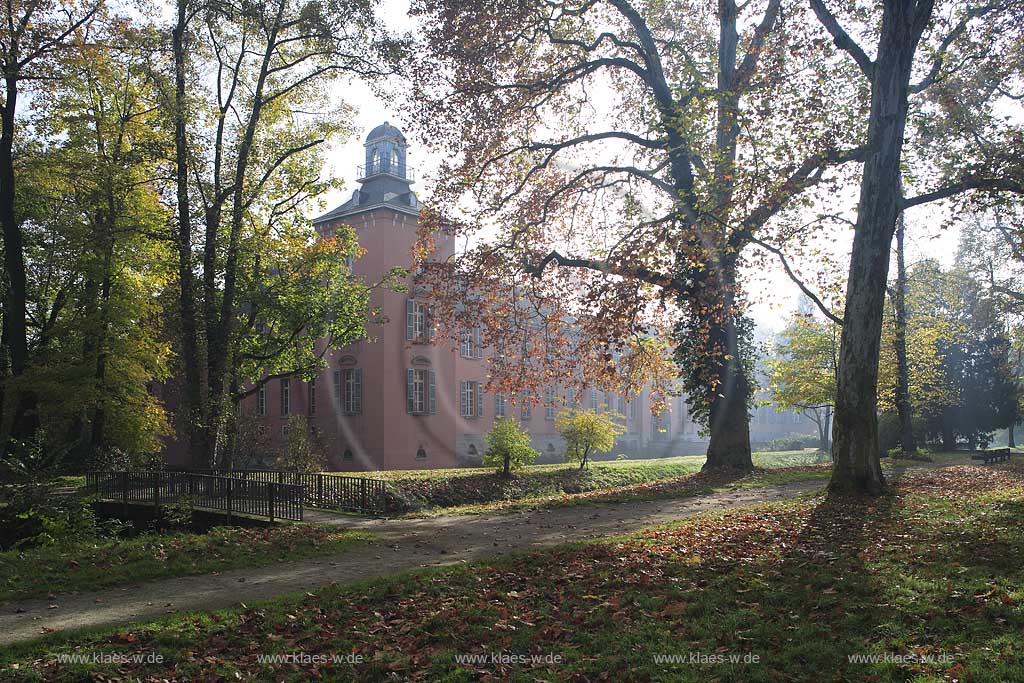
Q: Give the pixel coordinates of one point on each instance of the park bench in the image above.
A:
(995, 455)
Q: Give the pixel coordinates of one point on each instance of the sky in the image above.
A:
(773, 296)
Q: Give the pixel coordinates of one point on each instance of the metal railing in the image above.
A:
(271, 499)
(322, 490)
(398, 170)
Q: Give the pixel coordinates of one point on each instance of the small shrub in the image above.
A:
(508, 447)
(586, 432)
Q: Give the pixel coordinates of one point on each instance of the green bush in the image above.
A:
(586, 432)
(508, 447)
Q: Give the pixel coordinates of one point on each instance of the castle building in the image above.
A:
(400, 401)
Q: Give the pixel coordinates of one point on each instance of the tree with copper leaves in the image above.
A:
(610, 163)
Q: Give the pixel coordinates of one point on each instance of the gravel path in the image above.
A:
(400, 545)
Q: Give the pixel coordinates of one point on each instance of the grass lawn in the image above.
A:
(683, 486)
(478, 490)
(923, 584)
(105, 562)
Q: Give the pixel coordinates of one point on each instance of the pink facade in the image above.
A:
(397, 401)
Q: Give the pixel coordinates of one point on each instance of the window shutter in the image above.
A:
(463, 399)
(337, 388)
(410, 320)
(357, 397)
(432, 394)
(428, 324)
(410, 389)
(479, 399)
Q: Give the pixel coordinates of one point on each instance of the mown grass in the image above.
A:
(926, 580)
(474, 491)
(102, 562)
(676, 464)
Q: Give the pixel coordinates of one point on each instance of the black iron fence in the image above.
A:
(322, 490)
(271, 499)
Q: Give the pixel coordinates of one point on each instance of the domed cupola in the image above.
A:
(386, 151)
(384, 179)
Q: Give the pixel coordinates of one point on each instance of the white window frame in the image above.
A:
(420, 391)
(286, 397)
(261, 400)
(499, 405)
(471, 399)
(549, 403)
(351, 387)
(417, 322)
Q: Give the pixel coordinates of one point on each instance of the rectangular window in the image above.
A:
(620, 406)
(336, 380)
(417, 322)
(312, 396)
(549, 403)
(352, 395)
(595, 401)
(285, 431)
(420, 392)
(471, 344)
(471, 399)
(661, 428)
(286, 399)
(526, 412)
(261, 400)
(499, 405)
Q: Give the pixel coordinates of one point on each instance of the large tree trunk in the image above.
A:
(948, 437)
(15, 330)
(904, 409)
(857, 468)
(192, 394)
(1009, 437)
(729, 421)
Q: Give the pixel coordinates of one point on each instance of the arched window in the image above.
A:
(421, 454)
(347, 455)
(395, 165)
(472, 450)
(374, 163)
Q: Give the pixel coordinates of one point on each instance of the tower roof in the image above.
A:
(385, 130)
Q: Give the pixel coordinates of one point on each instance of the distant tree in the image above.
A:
(992, 251)
(508, 446)
(802, 373)
(980, 366)
(586, 432)
(302, 450)
(898, 293)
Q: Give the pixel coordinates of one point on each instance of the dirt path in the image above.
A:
(401, 545)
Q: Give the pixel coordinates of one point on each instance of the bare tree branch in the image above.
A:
(842, 39)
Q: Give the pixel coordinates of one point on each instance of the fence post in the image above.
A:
(270, 499)
(320, 489)
(156, 493)
(124, 494)
(229, 500)
(362, 494)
